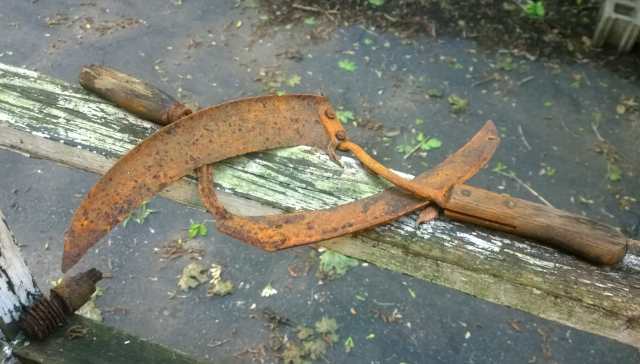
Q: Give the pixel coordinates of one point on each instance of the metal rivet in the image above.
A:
(510, 204)
(466, 193)
(330, 113)
(341, 135)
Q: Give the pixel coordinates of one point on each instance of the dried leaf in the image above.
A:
(315, 348)
(457, 104)
(192, 275)
(303, 332)
(293, 354)
(221, 288)
(428, 214)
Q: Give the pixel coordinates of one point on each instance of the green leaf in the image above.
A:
(368, 41)
(584, 200)
(457, 66)
(348, 344)
(345, 116)
(371, 336)
(193, 233)
(280, 93)
(419, 121)
(347, 65)
(597, 116)
(431, 144)
(293, 80)
(576, 84)
(434, 92)
(420, 137)
(602, 84)
(335, 263)
(615, 173)
(550, 171)
(202, 230)
(547, 104)
(457, 104)
(499, 167)
(310, 21)
(411, 293)
(506, 64)
(360, 298)
(404, 148)
(376, 2)
(534, 9)
(264, 17)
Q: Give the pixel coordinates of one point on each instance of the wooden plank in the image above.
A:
(18, 289)
(103, 344)
(487, 264)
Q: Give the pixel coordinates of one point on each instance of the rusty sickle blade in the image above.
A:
(245, 126)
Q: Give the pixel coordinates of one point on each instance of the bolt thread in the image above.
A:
(43, 318)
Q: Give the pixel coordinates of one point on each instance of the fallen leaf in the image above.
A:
(315, 348)
(293, 354)
(221, 288)
(192, 275)
(457, 104)
(336, 264)
(434, 92)
(76, 331)
(304, 332)
(428, 214)
(506, 64)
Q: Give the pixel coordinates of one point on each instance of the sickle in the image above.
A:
(251, 125)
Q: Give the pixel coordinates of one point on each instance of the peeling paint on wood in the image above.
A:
(494, 266)
(18, 290)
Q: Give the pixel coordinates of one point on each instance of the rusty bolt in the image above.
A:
(65, 298)
(466, 193)
(330, 113)
(341, 135)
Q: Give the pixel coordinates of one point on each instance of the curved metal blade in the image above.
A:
(307, 227)
(205, 137)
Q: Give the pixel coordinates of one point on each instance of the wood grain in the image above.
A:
(491, 265)
(589, 239)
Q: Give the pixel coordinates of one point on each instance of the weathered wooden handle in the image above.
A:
(131, 94)
(589, 239)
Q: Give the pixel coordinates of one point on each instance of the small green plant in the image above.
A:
(281, 92)
(344, 116)
(142, 214)
(419, 121)
(499, 167)
(550, 171)
(428, 143)
(348, 344)
(55, 283)
(368, 41)
(196, 228)
(534, 9)
(293, 80)
(347, 65)
(377, 2)
(310, 21)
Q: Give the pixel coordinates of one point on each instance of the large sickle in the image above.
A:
(235, 128)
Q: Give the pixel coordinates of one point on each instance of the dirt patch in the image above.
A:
(562, 34)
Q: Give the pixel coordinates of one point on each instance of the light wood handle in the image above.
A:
(589, 239)
(132, 94)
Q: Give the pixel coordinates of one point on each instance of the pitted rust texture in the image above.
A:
(205, 137)
(65, 298)
(176, 111)
(277, 232)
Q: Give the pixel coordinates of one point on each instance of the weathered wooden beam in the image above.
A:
(61, 122)
(102, 344)
(18, 289)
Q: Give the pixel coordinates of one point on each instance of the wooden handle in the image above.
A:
(132, 94)
(589, 239)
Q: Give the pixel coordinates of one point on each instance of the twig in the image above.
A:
(309, 8)
(525, 80)
(567, 129)
(383, 304)
(412, 150)
(523, 139)
(483, 81)
(388, 17)
(525, 185)
(326, 12)
(595, 130)
(586, 79)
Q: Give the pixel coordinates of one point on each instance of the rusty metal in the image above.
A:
(251, 125)
(65, 298)
(277, 232)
